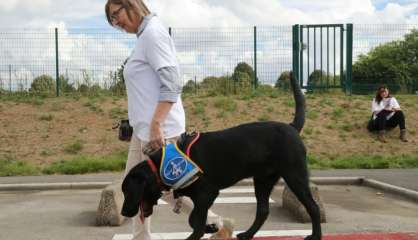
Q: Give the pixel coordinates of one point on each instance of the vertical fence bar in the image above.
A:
(301, 53)
(349, 60)
(327, 56)
(10, 78)
(314, 49)
(308, 51)
(342, 78)
(255, 58)
(334, 58)
(56, 63)
(320, 79)
(295, 58)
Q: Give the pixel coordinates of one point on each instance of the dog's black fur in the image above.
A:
(265, 151)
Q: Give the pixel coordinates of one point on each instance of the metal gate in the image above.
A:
(321, 57)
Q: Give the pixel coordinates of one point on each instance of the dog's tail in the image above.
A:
(299, 119)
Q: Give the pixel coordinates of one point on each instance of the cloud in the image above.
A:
(211, 36)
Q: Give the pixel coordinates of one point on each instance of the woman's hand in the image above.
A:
(156, 136)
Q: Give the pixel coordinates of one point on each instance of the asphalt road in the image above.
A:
(70, 214)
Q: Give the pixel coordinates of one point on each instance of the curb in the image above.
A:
(361, 181)
(52, 186)
(404, 192)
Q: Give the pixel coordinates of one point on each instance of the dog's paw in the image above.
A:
(244, 236)
(312, 237)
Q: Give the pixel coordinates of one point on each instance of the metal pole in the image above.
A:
(255, 58)
(342, 81)
(334, 57)
(320, 80)
(10, 78)
(314, 54)
(56, 63)
(327, 57)
(308, 52)
(295, 59)
(301, 53)
(349, 60)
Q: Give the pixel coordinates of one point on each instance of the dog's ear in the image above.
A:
(133, 190)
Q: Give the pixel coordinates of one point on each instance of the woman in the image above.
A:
(153, 86)
(387, 114)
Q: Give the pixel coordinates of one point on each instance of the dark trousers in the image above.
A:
(381, 123)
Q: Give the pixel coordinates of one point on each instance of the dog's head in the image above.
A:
(141, 190)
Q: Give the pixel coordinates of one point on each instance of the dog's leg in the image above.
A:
(299, 184)
(263, 187)
(198, 216)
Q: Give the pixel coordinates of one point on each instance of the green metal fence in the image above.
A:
(88, 60)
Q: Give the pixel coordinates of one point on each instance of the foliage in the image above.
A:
(283, 82)
(117, 86)
(65, 86)
(44, 85)
(393, 63)
(243, 75)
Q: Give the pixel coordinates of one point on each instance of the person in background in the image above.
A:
(155, 109)
(387, 114)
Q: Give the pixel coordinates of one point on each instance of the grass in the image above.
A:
(74, 148)
(88, 164)
(10, 167)
(364, 162)
(118, 112)
(226, 104)
(116, 162)
(46, 117)
(78, 165)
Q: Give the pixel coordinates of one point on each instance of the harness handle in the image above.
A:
(191, 144)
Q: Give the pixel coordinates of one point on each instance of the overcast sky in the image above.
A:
(212, 51)
(211, 13)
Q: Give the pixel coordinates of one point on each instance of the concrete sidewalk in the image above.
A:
(406, 178)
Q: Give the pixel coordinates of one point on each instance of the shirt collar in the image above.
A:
(144, 23)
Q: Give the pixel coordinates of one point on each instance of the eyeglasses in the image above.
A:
(115, 14)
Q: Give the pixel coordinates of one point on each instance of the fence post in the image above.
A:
(56, 64)
(349, 60)
(295, 59)
(255, 58)
(169, 31)
(10, 78)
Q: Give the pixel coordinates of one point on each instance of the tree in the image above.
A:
(241, 68)
(43, 84)
(189, 87)
(283, 82)
(117, 85)
(317, 78)
(390, 63)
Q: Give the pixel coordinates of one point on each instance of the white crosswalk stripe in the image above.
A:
(184, 235)
(241, 195)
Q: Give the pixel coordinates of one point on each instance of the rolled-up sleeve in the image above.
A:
(170, 88)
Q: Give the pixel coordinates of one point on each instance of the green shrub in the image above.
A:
(44, 85)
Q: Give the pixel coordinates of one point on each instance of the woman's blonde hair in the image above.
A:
(137, 7)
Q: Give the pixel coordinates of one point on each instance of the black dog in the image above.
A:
(265, 151)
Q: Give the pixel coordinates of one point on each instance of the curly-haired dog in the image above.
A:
(265, 151)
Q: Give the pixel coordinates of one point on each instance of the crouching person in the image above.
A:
(386, 114)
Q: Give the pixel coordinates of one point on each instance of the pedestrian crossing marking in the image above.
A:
(184, 235)
(228, 200)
